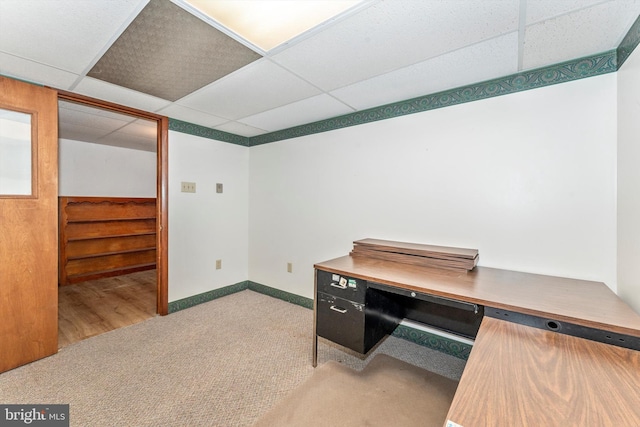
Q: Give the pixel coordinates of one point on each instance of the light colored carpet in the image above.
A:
(221, 363)
(387, 392)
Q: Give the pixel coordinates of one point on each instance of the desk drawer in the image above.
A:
(341, 286)
(341, 321)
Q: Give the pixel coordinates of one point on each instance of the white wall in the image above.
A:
(104, 171)
(528, 179)
(206, 226)
(629, 180)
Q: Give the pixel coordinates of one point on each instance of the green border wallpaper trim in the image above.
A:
(629, 43)
(590, 66)
(560, 73)
(425, 339)
(205, 132)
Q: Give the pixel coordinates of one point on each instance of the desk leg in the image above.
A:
(314, 351)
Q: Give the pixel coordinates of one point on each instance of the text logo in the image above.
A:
(34, 415)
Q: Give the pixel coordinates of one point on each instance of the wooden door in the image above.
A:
(28, 225)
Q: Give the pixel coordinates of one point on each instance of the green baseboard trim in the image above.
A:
(194, 300)
(241, 286)
(435, 342)
(425, 339)
(283, 295)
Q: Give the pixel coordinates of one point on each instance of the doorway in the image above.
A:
(112, 295)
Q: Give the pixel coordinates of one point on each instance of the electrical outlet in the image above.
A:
(188, 187)
(289, 267)
(218, 264)
(218, 188)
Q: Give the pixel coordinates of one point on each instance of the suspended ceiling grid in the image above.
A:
(381, 52)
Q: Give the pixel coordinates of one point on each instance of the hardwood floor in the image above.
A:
(91, 308)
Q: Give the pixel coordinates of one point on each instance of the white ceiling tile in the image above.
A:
(240, 129)
(141, 128)
(308, 110)
(96, 118)
(490, 59)
(120, 95)
(540, 10)
(66, 34)
(592, 30)
(24, 69)
(81, 132)
(128, 140)
(394, 34)
(257, 87)
(179, 112)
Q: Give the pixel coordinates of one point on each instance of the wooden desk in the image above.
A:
(522, 376)
(518, 375)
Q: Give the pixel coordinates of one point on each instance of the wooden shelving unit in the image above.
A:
(105, 236)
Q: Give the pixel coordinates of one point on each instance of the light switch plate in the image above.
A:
(188, 187)
(218, 188)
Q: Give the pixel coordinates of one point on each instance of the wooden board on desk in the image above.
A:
(417, 248)
(518, 376)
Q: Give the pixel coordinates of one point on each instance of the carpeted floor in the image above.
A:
(387, 392)
(222, 363)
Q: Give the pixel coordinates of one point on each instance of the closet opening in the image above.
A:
(112, 216)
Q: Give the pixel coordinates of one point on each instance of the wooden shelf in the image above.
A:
(75, 221)
(130, 251)
(109, 236)
(105, 236)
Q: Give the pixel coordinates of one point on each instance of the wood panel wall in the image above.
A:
(105, 236)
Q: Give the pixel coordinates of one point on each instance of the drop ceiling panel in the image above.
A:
(168, 53)
(306, 111)
(99, 119)
(84, 123)
(483, 61)
(80, 132)
(31, 71)
(66, 34)
(540, 10)
(595, 29)
(240, 129)
(394, 34)
(147, 129)
(127, 140)
(120, 95)
(253, 89)
(179, 112)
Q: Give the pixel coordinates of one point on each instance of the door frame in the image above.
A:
(162, 186)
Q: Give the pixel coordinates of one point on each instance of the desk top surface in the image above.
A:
(580, 302)
(516, 373)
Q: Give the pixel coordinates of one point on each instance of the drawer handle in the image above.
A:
(339, 310)
(337, 285)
